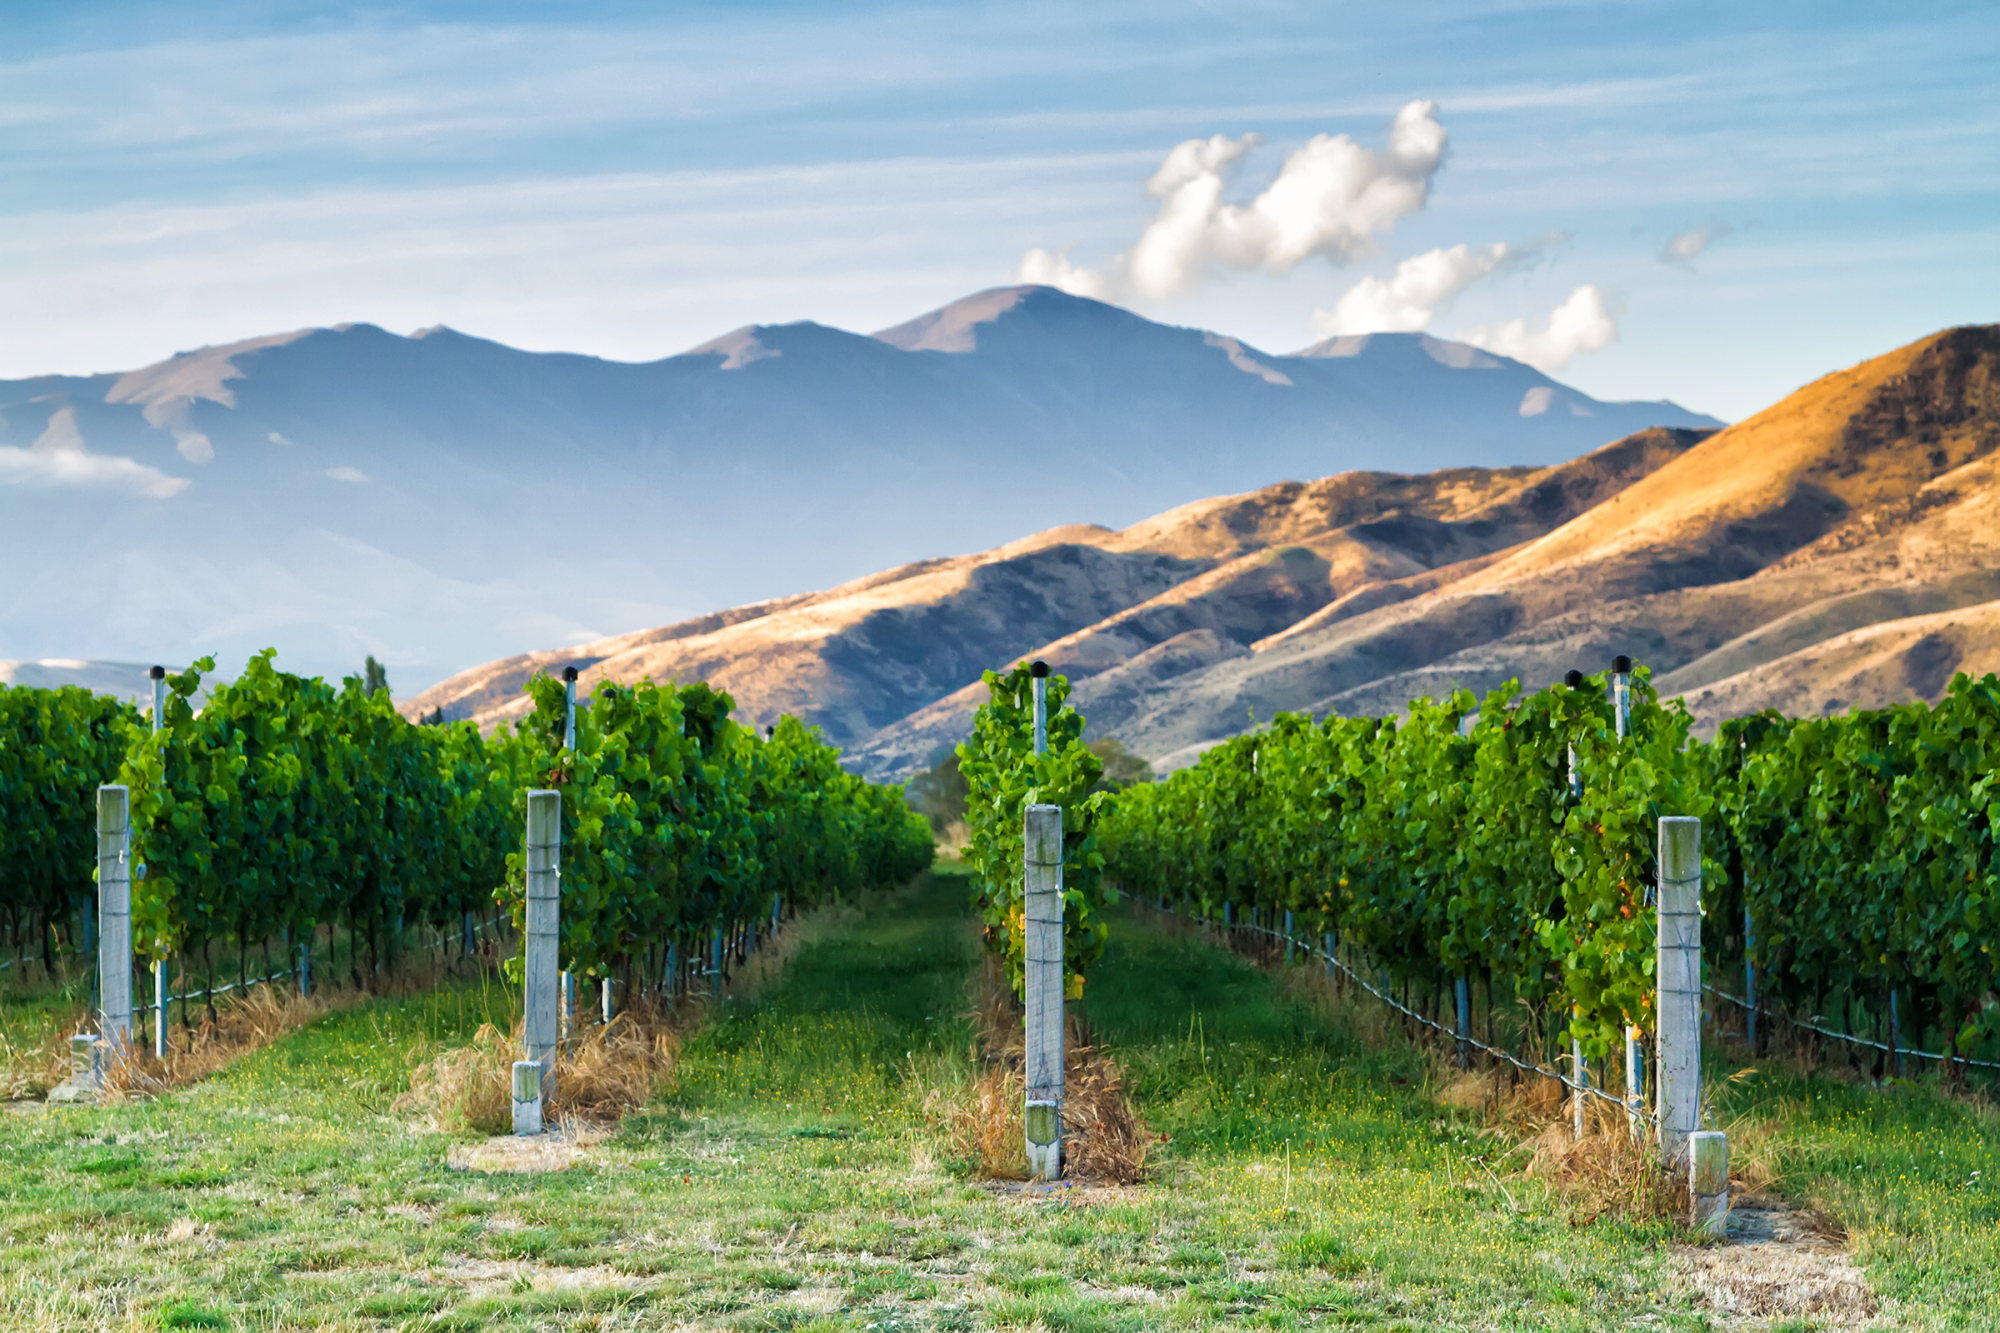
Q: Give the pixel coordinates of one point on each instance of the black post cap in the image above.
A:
(770, 731)
(158, 673)
(569, 673)
(1038, 669)
(1574, 680)
(1622, 665)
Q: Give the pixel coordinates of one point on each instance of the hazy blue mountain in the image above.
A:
(439, 500)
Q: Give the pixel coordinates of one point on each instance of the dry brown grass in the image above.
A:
(601, 1073)
(1607, 1171)
(242, 1023)
(1104, 1141)
(31, 1068)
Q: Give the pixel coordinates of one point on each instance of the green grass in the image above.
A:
(793, 1180)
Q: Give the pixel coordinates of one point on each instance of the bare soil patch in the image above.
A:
(526, 1154)
(1779, 1262)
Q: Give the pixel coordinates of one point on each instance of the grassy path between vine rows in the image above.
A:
(793, 1179)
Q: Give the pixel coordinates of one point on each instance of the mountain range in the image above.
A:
(1839, 549)
(437, 500)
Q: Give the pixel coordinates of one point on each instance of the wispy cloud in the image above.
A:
(1686, 247)
(59, 459)
(1583, 323)
(629, 265)
(1406, 301)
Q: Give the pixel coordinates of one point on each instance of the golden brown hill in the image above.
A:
(1867, 496)
(1839, 548)
(862, 657)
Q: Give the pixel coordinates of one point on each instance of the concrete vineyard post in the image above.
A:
(1621, 715)
(1749, 974)
(159, 678)
(83, 1059)
(1288, 937)
(1678, 968)
(160, 1008)
(527, 1097)
(1463, 994)
(305, 966)
(1635, 1084)
(715, 963)
(1579, 1070)
(608, 998)
(1708, 1183)
(539, 1023)
(569, 709)
(160, 998)
(1039, 673)
(1896, 1033)
(114, 912)
(1042, 1114)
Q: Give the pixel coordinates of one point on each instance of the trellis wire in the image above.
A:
(1543, 1071)
(1847, 1036)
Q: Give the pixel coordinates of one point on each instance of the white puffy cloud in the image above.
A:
(58, 458)
(1332, 198)
(1405, 301)
(1683, 248)
(1583, 323)
(1047, 268)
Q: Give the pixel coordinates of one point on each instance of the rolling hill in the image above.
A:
(1840, 548)
(438, 499)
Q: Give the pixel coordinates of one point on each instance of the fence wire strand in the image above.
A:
(1849, 1037)
(1543, 1071)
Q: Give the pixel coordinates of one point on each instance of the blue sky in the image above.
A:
(630, 180)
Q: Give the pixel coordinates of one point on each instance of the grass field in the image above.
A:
(793, 1178)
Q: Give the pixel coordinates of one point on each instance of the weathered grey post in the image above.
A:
(159, 678)
(1678, 967)
(539, 1023)
(1635, 1084)
(608, 999)
(715, 963)
(1042, 1114)
(1579, 1069)
(114, 917)
(1708, 1182)
(1635, 1060)
(1038, 671)
(84, 1061)
(1288, 937)
(1463, 994)
(1749, 973)
(1896, 1033)
(527, 1097)
(569, 708)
